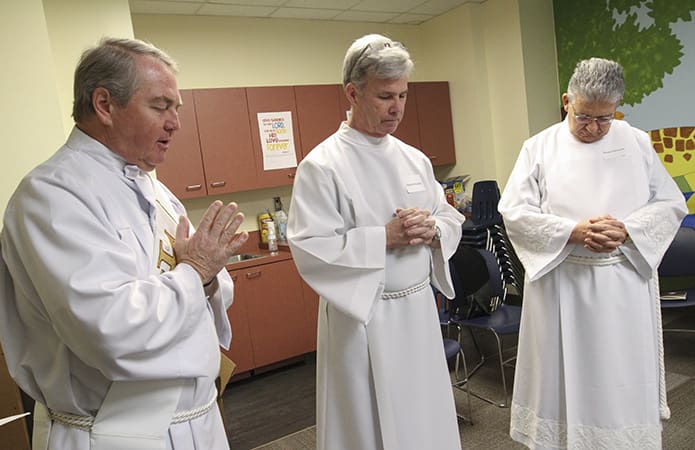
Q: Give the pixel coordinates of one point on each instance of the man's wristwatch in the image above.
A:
(437, 234)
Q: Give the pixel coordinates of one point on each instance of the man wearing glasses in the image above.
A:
(590, 211)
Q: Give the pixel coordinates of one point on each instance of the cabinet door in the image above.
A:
(436, 128)
(408, 130)
(182, 171)
(225, 140)
(318, 113)
(272, 99)
(276, 312)
(241, 349)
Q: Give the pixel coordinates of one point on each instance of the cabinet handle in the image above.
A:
(432, 156)
(218, 183)
(194, 187)
(250, 275)
(290, 175)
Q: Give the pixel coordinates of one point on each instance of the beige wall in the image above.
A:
(497, 55)
(30, 123)
(42, 42)
(75, 25)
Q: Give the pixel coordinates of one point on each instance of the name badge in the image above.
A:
(413, 183)
(613, 153)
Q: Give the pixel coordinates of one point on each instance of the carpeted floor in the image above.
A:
(276, 411)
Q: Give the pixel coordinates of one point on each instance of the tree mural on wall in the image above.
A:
(587, 28)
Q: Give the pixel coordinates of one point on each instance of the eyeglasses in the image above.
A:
(601, 121)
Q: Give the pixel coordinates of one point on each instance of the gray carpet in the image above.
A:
(490, 426)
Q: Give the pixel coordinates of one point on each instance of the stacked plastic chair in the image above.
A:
(485, 230)
(485, 233)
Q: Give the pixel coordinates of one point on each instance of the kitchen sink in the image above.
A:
(242, 257)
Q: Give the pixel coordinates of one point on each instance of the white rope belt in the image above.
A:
(86, 422)
(405, 292)
(596, 261)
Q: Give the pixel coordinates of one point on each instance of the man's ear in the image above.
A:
(351, 93)
(102, 103)
(565, 101)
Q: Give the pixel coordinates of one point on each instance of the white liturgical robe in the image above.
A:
(382, 379)
(589, 372)
(83, 305)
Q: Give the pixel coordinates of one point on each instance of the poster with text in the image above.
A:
(277, 140)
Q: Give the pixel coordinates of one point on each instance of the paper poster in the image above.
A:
(277, 140)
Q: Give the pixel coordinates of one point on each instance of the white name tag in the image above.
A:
(613, 153)
(413, 183)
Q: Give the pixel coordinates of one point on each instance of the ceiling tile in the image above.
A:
(437, 7)
(249, 2)
(158, 7)
(386, 5)
(322, 4)
(382, 11)
(305, 13)
(411, 19)
(364, 16)
(210, 9)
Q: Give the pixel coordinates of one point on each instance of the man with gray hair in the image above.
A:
(590, 211)
(370, 229)
(111, 310)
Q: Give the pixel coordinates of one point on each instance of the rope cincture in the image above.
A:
(405, 292)
(86, 423)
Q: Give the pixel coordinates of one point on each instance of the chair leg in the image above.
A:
(482, 360)
(506, 400)
(462, 384)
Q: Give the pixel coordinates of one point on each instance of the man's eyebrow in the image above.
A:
(167, 100)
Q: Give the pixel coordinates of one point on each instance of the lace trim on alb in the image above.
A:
(535, 431)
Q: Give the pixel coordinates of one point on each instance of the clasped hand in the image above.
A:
(410, 226)
(214, 241)
(601, 234)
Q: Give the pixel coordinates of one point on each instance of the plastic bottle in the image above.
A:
(272, 238)
(280, 218)
(262, 219)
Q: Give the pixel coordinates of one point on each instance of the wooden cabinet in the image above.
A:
(218, 148)
(225, 140)
(408, 130)
(241, 350)
(268, 316)
(427, 124)
(272, 99)
(318, 113)
(182, 172)
(434, 118)
(212, 153)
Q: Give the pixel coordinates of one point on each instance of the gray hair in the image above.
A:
(111, 65)
(597, 80)
(375, 55)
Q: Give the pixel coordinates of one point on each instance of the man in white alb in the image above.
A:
(111, 311)
(370, 229)
(590, 211)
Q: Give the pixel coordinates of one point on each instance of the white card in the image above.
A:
(413, 183)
